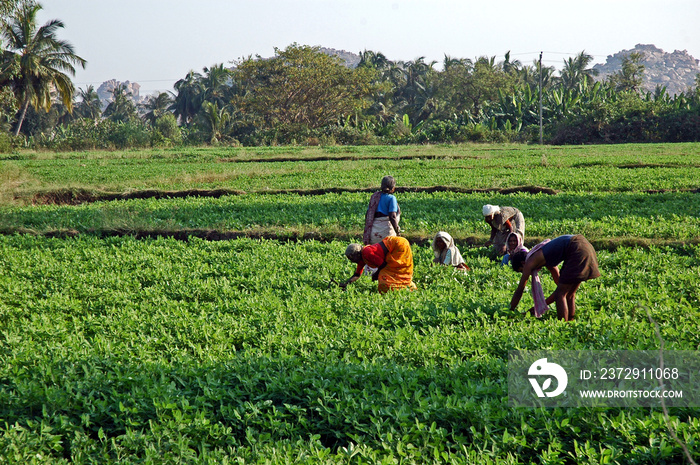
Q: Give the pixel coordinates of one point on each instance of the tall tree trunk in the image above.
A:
(22, 115)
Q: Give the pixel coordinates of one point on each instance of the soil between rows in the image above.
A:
(439, 157)
(348, 158)
(474, 241)
(81, 196)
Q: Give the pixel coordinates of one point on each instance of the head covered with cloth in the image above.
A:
(446, 252)
(503, 221)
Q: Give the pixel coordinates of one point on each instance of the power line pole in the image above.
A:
(540, 73)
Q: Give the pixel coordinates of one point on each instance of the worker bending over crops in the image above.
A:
(579, 264)
(503, 221)
(393, 259)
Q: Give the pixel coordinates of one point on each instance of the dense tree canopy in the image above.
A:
(302, 95)
(301, 86)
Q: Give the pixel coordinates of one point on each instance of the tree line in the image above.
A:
(304, 96)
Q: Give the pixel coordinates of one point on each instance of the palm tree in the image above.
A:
(576, 72)
(531, 75)
(631, 75)
(487, 63)
(413, 88)
(214, 122)
(41, 60)
(375, 60)
(451, 62)
(189, 97)
(510, 66)
(90, 105)
(121, 108)
(7, 7)
(217, 84)
(156, 106)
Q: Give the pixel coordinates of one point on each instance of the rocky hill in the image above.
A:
(351, 59)
(106, 88)
(676, 71)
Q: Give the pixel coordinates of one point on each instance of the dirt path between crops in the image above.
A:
(80, 196)
(609, 244)
(349, 158)
(274, 159)
(632, 166)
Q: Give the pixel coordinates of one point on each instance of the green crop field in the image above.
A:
(174, 306)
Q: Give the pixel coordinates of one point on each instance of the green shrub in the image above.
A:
(130, 134)
(443, 132)
(166, 131)
(6, 145)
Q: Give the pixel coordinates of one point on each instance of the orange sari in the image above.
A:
(398, 272)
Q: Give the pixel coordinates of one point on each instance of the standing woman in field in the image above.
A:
(392, 258)
(503, 221)
(383, 214)
(579, 264)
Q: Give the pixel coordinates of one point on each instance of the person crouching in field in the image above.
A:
(446, 252)
(393, 259)
(579, 264)
(514, 245)
(503, 221)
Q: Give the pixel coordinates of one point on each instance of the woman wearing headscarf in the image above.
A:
(446, 252)
(393, 259)
(579, 263)
(383, 214)
(513, 244)
(503, 221)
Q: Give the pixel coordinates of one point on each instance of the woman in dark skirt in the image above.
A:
(579, 264)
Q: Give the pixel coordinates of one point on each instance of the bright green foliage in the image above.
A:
(599, 217)
(202, 352)
(166, 128)
(124, 350)
(616, 168)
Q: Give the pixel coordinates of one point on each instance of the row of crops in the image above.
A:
(664, 217)
(629, 168)
(161, 350)
(115, 349)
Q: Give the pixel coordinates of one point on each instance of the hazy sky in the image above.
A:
(156, 42)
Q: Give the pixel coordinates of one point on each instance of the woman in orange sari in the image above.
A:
(393, 259)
